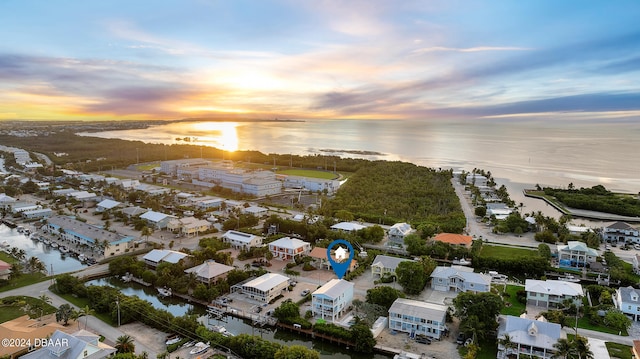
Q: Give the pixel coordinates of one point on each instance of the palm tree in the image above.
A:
(44, 300)
(85, 312)
(64, 313)
(581, 346)
(508, 345)
(125, 344)
(146, 232)
(564, 349)
(16, 270)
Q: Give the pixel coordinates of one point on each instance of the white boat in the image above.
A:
(82, 258)
(63, 249)
(5, 244)
(45, 241)
(199, 348)
(54, 245)
(173, 340)
(222, 330)
(164, 292)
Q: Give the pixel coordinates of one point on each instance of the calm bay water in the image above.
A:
(518, 154)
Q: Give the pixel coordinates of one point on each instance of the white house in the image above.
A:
(106, 205)
(416, 317)
(287, 248)
(132, 212)
(398, 232)
(81, 344)
(158, 256)
(385, 265)
(189, 226)
(157, 220)
(621, 232)
(575, 254)
(241, 240)
(627, 299)
(37, 213)
(255, 210)
(264, 288)
(210, 272)
(529, 337)
(551, 293)
(347, 227)
(459, 279)
(332, 300)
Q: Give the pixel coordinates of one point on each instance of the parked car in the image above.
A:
(460, 338)
(422, 339)
(305, 292)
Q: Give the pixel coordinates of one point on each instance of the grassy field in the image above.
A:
(309, 173)
(617, 350)
(14, 307)
(7, 258)
(81, 303)
(516, 308)
(506, 252)
(24, 280)
(148, 166)
(584, 324)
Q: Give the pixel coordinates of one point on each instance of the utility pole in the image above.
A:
(137, 155)
(118, 305)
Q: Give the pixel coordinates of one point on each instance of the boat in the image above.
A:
(570, 278)
(82, 258)
(63, 249)
(5, 244)
(199, 348)
(20, 229)
(221, 330)
(164, 292)
(54, 245)
(127, 277)
(45, 241)
(173, 340)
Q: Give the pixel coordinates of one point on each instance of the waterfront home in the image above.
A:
(79, 233)
(37, 213)
(385, 265)
(157, 220)
(528, 338)
(347, 227)
(398, 232)
(25, 330)
(158, 256)
(621, 232)
(189, 226)
(81, 344)
(477, 180)
(210, 272)
(241, 240)
(454, 239)
(551, 293)
(321, 261)
(264, 288)
(287, 248)
(627, 300)
(459, 279)
(575, 254)
(107, 204)
(417, 317)
(332, 300)
(18, 207)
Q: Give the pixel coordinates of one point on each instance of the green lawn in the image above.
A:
(617, 350)
(17, 306)
(7, 258)
(81, 303)
(309, 173)
(24, 280)
(506, 252)
(516, 308)
(584, 324)
(148, 166)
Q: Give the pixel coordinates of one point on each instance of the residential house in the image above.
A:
(321, 261)
(417, 317)
(529, 338)
(134, 212)
(551, 293)
(255, 210)
(347, 227)
(318, 185)
(459, 279)
(207, 202)
(575, 254)
(6, 201)
(241, 240)
(157, 256)
(37, 213)
(81, 344)
(23, 329)
(287, 248)
(128, 183)
(264, 288)
(106, 205)
(102, 242)
(635, 349)
(398, 232)
(477, 180)
(210, 272)
(621, 232)
(189, 226)
(454, 239)
(5, 272)
(627, 299)
(332, 300)
(157, 220)
(385, 265)
(18, 207)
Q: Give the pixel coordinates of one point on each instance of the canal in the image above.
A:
(52, 258)
(177, 306)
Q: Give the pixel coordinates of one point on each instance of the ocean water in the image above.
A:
(519, 154)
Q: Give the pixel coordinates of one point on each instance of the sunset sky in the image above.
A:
(164, 59)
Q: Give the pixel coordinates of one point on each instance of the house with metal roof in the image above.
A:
(417, 317)
(210, 271)
(459, 279)
(189, 226)
(627, 300)
(551, 293)
(26, 330)
(264, 288)
(81, 344)
(157, 220)
(157, 256)
(621, 232)
(332, 300)
(241, 240)
(287, 248)
(529, 337)
(575, 254)
(385, 265)
(106, 205)
(398, 232)
(347, 227)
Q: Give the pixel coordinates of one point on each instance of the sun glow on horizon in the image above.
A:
(220, 134)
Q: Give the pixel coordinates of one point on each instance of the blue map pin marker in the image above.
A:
(341, 265)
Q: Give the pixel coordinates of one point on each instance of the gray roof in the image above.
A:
(621, 226)
(72, 346)
(108, 204)
(414, 308)
(164, 255)
(628, 293)
(239, 236)
(155, 216)
(465, 273)
(553, 287)
(266, 282)
(529, 332)
(209, 269)
(388, 262)
(334, 288)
